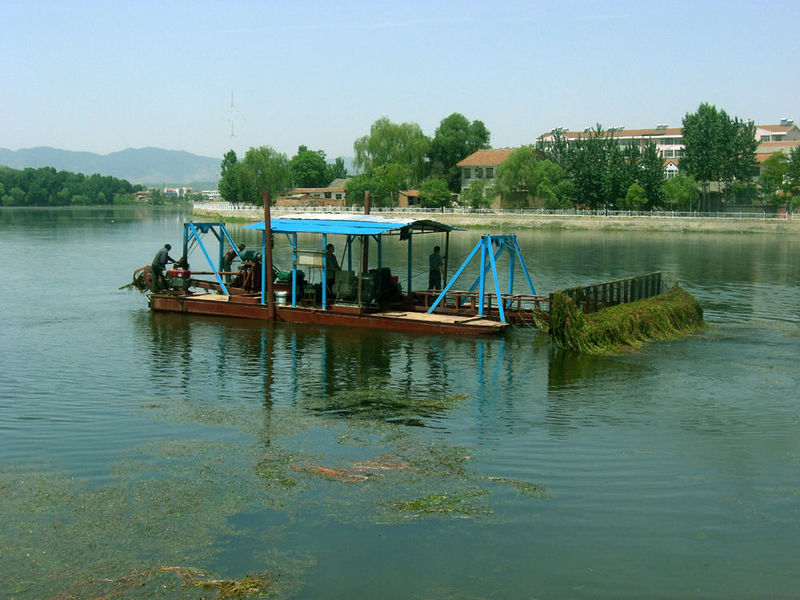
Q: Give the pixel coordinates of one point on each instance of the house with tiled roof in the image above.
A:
(482, 166)
(786, 131)
(406, 198)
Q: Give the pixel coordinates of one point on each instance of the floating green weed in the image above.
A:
(523, 487)
(625, 326)
(466, 503)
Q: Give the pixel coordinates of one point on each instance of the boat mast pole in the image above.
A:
(268, 259)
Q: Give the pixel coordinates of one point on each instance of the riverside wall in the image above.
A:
(509, 221)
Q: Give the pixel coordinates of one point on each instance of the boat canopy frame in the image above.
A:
(193, 233)
(362, 227)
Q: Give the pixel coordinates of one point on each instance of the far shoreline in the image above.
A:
(522, 221)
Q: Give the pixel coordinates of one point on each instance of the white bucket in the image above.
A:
(281, 297)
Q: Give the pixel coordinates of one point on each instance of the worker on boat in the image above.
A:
(331, 267)
(160, 261)
(227, 260)
(435, 262)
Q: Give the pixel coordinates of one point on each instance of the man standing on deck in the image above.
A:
(160, 261)
(435, 274)
(331, 266)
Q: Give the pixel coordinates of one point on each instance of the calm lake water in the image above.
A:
(466, 467)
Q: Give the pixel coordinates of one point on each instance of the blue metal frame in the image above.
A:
(504, 242)
(193, 230)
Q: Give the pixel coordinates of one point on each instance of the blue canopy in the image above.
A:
(350, 224)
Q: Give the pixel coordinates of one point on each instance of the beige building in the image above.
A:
(482, 166)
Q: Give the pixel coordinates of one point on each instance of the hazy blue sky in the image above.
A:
(102, 76)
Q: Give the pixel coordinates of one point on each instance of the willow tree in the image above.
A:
(264, 169)
(393, 143)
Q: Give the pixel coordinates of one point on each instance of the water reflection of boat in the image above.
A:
(357, 295)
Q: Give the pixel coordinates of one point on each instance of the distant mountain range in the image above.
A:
(148, 166)
(153, 167)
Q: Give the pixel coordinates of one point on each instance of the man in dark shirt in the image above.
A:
(160, 261)
(435, 274)
(331, 266)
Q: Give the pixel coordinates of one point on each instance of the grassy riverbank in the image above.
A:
(509, 221)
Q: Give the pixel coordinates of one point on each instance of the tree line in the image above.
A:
(47, 187)
(595, 171)
(391, 158)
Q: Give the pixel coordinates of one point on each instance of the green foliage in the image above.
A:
(47, 187)
(434, 193)
(624, 326)
(635, 199)
(616, 177)
(649, 174)
(717, 148)
(379, 195)
(477, 195)
(229, 185)
(680, 193)
(587, 160)
(337, 170)
(391, 143)
(263, 169)
(774, 178)
(525, 170)
(309, 168)
(454, 140)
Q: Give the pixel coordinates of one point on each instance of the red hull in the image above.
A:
(248, 307)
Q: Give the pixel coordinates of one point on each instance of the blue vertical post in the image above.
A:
(482, 278)
(511, 258)
(294, 270)
(497, 288)
(380, 251)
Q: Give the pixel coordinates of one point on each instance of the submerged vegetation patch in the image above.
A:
(382, 404)
(164, 578)
(625, 326)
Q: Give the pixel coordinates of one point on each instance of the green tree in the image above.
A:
(263, 169)
(680, 193)
(793, 175)
(477, 195)
(616, 178)
(337, 170)
(773, 179)
(357, 185)
(388, 143)
(635, 198)
(650, 176)
(526, 173)
(309, 168)
(717, 148)
(454, 140)
(434, 193)
(587, 163)
(229, 185)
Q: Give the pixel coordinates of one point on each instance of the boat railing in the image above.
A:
(457, 301)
